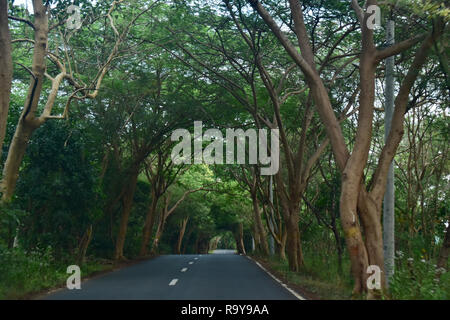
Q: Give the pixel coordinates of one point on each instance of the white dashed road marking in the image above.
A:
(183, 270)
(191, 262)
(173, 282)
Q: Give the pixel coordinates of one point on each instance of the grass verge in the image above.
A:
(309, 284)
(34, 274)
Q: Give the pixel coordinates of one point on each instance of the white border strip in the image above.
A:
(299, 297)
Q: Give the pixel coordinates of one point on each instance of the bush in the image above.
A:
(24, 273)
(21, 273)
(419, 280)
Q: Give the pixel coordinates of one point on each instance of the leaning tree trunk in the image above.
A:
(159, 232)
(28, 122)
(214, 243)
(148, 225)
(239, 237)
(127, 201)
(256, 242)
(16, 153)
(181, 234)
(280, 248)
(6, 70)
(260, 232)
(84, 244)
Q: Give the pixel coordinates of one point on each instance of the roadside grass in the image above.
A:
(414, 279)
(319, 279)
(25, 275)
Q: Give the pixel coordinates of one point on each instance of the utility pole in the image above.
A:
(389, 196)
(271, 240)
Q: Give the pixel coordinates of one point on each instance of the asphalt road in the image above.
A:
(221, 276)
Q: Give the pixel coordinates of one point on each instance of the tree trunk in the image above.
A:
(294, 249)
(354, 240)
(338, 245)
(159, 232)
(16, 153)
(196, 245)
(127, 201)
(290, 210)
(148, 226)
(445, 250)
(214, 243)
(203, 246)
(260, 232)
(256, 242)
(6, 70)
(166, 212)
(181, 234)
(239, 237)
(281, 248)
(27, 122)
(370, 215)
(84, 244)
(186, 242)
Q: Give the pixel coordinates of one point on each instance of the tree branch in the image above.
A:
(28, 22)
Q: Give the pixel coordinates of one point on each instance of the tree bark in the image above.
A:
(280, 248)
(261, 234)
(84, 244)
(294, 248)
(256, 244)
(27, 122)
(6, 70)
(239, 237)
(337, 239)
(181, 234)
(159, 232)
(148, 225)
(127, 203)
(186, 242)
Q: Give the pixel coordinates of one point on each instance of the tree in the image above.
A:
(161, 174)
(29, 121)
(355, 199)
(6, 70)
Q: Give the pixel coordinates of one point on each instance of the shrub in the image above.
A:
(420, 280)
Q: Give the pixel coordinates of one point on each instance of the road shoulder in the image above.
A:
(284, 281)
